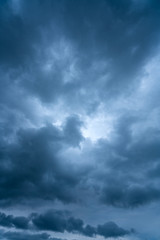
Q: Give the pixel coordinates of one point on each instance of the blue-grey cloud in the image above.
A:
(60, 221)
(35, 169)
(79, 114)
(26, 236)
(11, 221)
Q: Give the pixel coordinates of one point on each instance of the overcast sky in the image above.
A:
(79, 119)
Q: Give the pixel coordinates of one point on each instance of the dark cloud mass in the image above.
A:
(60, 221)
(31, 168)
(26, 236)
(79, 119)
(10, 221)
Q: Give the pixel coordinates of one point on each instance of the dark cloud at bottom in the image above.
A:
(61, 221)
(25, 236)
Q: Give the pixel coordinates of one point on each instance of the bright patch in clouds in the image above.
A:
(98, 126)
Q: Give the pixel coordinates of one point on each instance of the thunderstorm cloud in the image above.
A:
(79, 119)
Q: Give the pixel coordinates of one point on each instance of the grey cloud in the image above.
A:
(16, 40)
(72, 131)
(130, 164)
(61, 221)
(51, 220)
(26, 236)
(74, 225)
(106, 29)
(11, 221)
(130, 197)
(31, 168)
(110, 229)
(71, 63)
(58, 221)
(5, 221)
(89, 231)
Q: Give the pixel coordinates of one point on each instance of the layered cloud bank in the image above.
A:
(79, 119)
(61, 221)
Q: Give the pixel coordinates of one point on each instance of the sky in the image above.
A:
(79, 120)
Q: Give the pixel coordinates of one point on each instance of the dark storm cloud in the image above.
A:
(11, 221)
(110, 229)
(16, 37)
(60, 221)
(63, 64)
(21, 31)
(56, 221)
(121, 34)
(25, 236)
(117, 34)
(30, 167)
(113, 30)
(128, 196)
(130, 179)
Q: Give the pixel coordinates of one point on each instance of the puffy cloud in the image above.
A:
(61, 221)
(31, 168)
(11, 221)
(110, 229)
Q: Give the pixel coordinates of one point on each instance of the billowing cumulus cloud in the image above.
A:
(79, 118)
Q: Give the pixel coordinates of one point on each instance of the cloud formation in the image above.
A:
(79, 116)
(61, 221)
(26, 236)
